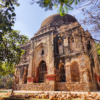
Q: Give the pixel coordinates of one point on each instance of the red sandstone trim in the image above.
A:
(97, 78)
(30, 79)
(50, 77)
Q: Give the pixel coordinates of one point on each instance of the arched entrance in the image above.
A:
(74, 68)
(42, 71)
(62, 73)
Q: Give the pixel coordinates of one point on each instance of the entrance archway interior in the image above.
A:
(42, 71)
(62, 73)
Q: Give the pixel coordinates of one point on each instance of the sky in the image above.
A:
(29, 17)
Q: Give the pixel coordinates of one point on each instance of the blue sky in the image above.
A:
(29, 17)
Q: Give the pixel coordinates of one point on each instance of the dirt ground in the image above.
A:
(5, 94)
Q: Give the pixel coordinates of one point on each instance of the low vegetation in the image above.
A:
(6, 82)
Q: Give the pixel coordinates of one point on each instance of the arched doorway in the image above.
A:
(62, 73)
(74, 68)
(42, 71)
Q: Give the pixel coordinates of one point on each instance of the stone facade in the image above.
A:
(60, 56)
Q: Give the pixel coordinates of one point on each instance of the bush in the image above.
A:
(6, 81)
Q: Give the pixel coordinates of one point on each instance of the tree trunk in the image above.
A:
(14, 81)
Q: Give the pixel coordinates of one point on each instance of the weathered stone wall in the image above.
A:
(36, 87)
(73, 53)
(75, 86)
(46, 44)
(61, 86)
(84, 68)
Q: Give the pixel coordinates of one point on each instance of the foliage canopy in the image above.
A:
(62, 5)
(10, 40)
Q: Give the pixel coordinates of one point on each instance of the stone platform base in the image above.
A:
(75, 86)
(36, 87)
(61, 86)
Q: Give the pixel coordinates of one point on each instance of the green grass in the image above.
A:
(3, 91)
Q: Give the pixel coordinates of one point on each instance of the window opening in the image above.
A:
(71, 44)
(62, 73)
(88, 46)
(60, 46)
(42, 53)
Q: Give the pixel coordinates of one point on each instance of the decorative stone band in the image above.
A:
(51, 77)
(29, 79)
(97, 78)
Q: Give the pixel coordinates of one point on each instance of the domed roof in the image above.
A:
(57, 18)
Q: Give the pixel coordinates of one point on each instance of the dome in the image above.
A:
(57, 18)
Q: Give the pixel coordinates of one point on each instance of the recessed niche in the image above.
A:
(42, 53)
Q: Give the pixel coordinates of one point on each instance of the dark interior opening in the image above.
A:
(42, 71)
(88, 46)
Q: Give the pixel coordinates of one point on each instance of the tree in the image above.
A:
(98, 49)
(62, 5)
(92, 18)
(10, 51)
(10, 40)
(7, 16)
(6, 82)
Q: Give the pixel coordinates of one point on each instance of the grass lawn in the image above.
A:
(1, 91)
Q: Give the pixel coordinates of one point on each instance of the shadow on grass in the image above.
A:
(3, 91)
(7, 98)
(31, 99)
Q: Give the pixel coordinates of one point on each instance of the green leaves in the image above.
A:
(10, 51)
(63, 5)
(9, 16)
(98, 49)
(64, 9)
(13, 14)
(6, 81)
(76, 2)
(6, 4)
(10, 39)
(56, 6)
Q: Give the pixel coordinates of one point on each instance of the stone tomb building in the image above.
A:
(61, 56)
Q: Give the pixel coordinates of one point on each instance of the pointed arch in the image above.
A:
(62, 77)
(74, 69)
(42, 70)
(39, 46)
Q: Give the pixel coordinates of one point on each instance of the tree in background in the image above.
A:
(92, 17)
(6, 82)
(98, 49)
(91, 12)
